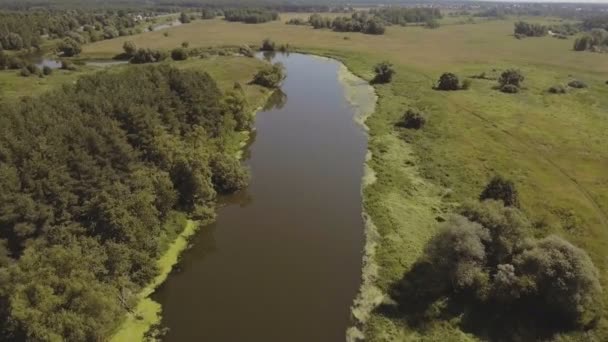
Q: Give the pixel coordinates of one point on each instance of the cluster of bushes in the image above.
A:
(82, 227)
(497, 280)
(143, 56)
(524, 29)
(449, 81)
(34, 70)
(270, 77)
(404, 16)
(297, 21)
(595, 40)
(250, 15)
(208, 13)
(358, 22)
(510, 81)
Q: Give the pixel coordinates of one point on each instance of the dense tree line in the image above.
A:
(91, 175)
(23, 30)
(595, 40)
(524, 29)
(357, 22)
(250, 15)
(403, 16)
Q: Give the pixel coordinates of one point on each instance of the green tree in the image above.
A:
(448, 81)
(69, 47)
(512, 77)
(384, 72)
(270, 77)
(179, 54)
(129, 48)
(502, 189)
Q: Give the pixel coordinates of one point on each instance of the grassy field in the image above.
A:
(554, 147)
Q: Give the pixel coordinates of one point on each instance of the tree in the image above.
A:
(270, 77)
(267, 45)
(501, 189)
(47, 70)
(179, 54)
(69, 47)
(184, 18)
(228, 174)
(512, 77)
(185, 44)
(448, 81)
(130, 48)
(413, 119)
(384, 72)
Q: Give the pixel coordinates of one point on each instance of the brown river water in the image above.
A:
(283, 260)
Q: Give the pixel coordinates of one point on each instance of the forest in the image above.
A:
(91, 176)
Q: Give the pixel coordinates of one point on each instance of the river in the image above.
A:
(283, 260)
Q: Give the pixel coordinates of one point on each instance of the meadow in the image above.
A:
(554, 147)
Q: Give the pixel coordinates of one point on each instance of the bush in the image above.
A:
(148, 56)
(432, 24)
(184, 18)
(530, 30)
(185, 45)
(412, 119)
(557, 89)
(33, 69)
(466, 84)
(47, 70)
(246, 51)
(25, 72)
(179, 54)
(68, 65)
(15, 63)
(270, 77)
(69, 47)
(509, 89)
(448, 81)
(267, 45)
(511, 77)
(501, 189)
(384, 72)
(577, 84)
(129, 48)
(228, 174)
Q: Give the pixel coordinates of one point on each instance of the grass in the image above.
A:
(553, 146)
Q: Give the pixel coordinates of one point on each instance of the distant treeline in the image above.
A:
(250, 15)
(91, 176)
(403, 16)
(358, 22)
(23, 30)
(523, 28)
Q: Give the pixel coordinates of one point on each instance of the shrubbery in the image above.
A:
(577, 84)
(501, 189)
(448, 81)
(530, 30)
(143, 56)
(250, 15)
(510, 81)
(267, 45)
(513, 287)
(384, 72)
(557, 89)
(69, 47)
(270, 77)
(179, 54)
(413, 119)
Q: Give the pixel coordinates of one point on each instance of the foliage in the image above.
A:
(270, 77)
(512, 286)
(358, 22)
(523, 28)
(129, 48)
(318, 22)
(46, 70)
(405, 15)
(143, 56)
(384, 72)
(179, 54)
(250, 15)
(577, 84)
(413, 119)
(296, 21)
(246, 51)
(557, 89)
(448, 81)
(595, 40)
(432, 24)
(208, 13)
(89, 175)
(69, 47)
(502, 189)
(267, 45)
(184, 18)
(509, 89)
(511, 77)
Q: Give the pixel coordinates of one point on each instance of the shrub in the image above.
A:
(129, 48)
(412, 119)
(577, 84)
(270, 77)
(33, 69)
(148, 56)
(509, 89)
(15, 63)
(557, 89)
(267, 45)
(228, 174)
(184, 18)
(69, 47)
(246, 51)
(511, 77)
(67, 65)
(185, 45)
(432, 24)
(25, 72)
(466, 84)
(384, 72)
(501, 189)
(46, 70)
(166, 34)
(448, 81)
(530, 30)
(179, 54)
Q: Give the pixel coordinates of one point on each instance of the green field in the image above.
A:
(554, 147)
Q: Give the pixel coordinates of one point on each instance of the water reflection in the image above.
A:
(277, 100)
